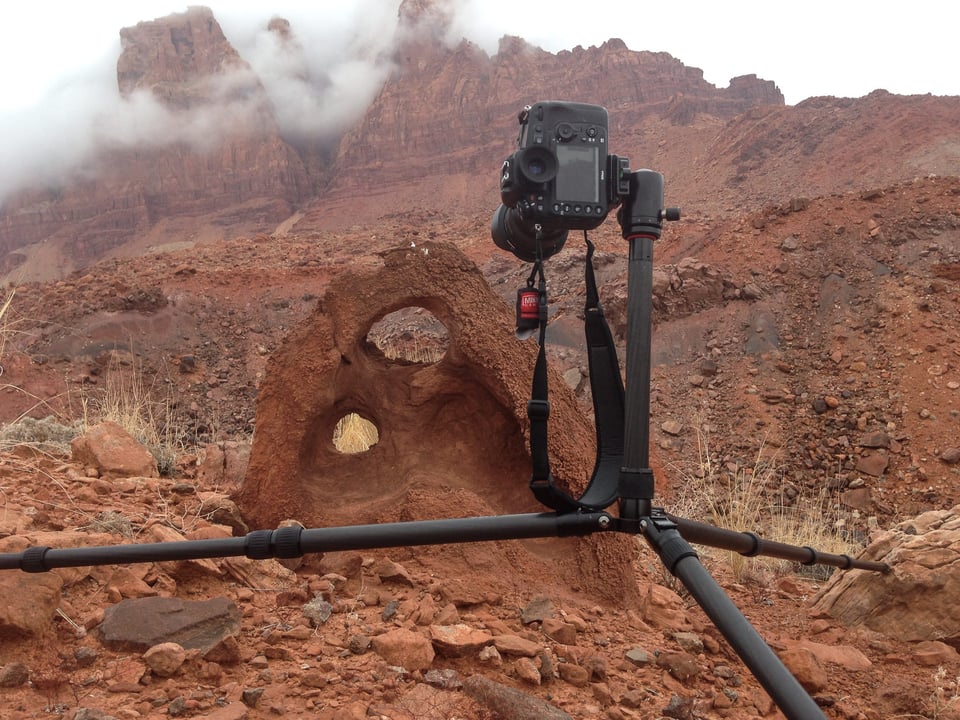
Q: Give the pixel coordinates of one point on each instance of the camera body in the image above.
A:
(560, 178)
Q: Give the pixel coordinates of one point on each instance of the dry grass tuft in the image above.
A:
(6, 323)
(758, 499)
(354, 434)
(144, 407)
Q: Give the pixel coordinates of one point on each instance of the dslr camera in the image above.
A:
(560, 178)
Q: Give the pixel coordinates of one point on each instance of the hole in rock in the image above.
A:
(411, 335)
(354, 434)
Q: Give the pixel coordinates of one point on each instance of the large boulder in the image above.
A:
(914, 601)
(113, 452)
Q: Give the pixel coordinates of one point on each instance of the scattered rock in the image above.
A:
(559, 631)
(452, 641)
(515, 645)
(165, 659)
(14, 675)
(317, 611)
(805, 667)
(639, 657)
(672, 427)
(508, 702)
(113, 452)
(683, 666)
(537, 610)
(574, 674)
(137, 625)
(405, 648)
(874, 464)
(389, 571)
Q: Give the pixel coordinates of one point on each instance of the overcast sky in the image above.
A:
(59, 56)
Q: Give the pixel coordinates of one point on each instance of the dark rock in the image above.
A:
(680, 708)
(317, 611)
(951, 456)
(510, 703)
(14, 675)
(139, 624)
(537, 610)
(251, 696)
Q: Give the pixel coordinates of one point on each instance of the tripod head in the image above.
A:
(642, 211)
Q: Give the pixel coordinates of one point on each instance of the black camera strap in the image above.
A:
(608, 404)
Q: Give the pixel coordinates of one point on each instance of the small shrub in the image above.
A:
(747, 499)
(48, 434)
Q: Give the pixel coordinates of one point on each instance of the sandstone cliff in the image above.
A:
(213, 156)
(446, 117)
(433, 140)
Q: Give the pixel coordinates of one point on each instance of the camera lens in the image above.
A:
(515, 235)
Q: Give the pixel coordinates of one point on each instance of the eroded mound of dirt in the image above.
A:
(452, 433)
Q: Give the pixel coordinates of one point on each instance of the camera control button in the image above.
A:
(592, 131)
(577, 208)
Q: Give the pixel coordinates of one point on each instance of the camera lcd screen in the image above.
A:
(578, 176)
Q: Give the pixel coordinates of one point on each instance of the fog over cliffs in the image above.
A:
(319, 77)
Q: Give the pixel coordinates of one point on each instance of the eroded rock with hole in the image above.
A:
(452, 434)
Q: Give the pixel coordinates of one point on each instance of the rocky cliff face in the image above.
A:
(452, 110)
(434, 137)
(214, 153)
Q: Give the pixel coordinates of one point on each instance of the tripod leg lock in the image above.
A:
(33, 560)
(282, 543)
(662, 534)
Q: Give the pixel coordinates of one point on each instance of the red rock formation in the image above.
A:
(435, 137)
(452, 109)
(235, 173)
(430, 462)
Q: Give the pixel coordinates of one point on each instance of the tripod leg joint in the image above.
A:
(662, 534)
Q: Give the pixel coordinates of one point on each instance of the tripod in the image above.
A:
(641, 219)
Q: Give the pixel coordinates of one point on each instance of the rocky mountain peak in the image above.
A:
(174, 50)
